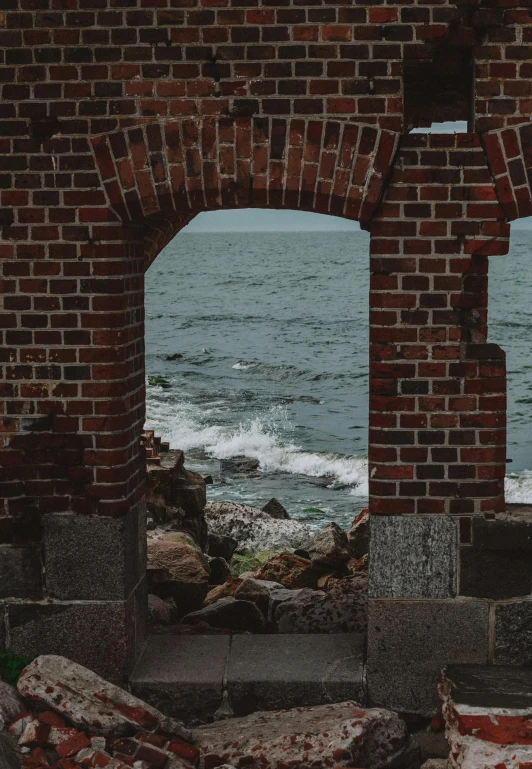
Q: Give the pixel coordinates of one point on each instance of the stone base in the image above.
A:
(189, 676)
(410, 642)
(105, 636)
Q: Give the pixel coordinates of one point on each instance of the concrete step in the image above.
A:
(196, 676)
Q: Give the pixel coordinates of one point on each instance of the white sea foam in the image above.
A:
(243, 366)
(263, 438)
(518, 488)
(260, 438)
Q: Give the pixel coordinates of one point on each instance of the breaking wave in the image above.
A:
(518, 488)
(260, 438)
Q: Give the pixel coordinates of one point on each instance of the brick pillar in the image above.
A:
(437, 438)
(72, 528)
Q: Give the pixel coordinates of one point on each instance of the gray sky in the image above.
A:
(265, 220)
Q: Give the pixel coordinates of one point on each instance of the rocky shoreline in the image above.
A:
(222, 567)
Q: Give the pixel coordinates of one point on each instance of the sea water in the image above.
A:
(269, 338)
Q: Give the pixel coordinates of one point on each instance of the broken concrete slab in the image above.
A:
(487, 713)
(88, 701)
(284, 671)
(182, 675)
(341, 734)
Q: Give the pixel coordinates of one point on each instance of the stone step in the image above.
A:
(196, 676)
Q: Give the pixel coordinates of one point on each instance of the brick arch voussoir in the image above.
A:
(509, 153)
(180, 168)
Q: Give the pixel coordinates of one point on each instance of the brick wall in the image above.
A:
(122, 119)
(437, 441)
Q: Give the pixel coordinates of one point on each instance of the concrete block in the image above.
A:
(412, 557)
(490, 686)
(99, 635)
(410, 642)
(94, 558)
(267, 672)
(182, 676)
(495, 574)
(508, 531)
(513, 634)
(21, 572)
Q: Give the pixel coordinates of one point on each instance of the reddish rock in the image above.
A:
(290, 571)
(34, 734)
(358, 535)
(184, 570)
(73, 745)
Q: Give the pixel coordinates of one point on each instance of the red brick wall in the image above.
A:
(119, 121)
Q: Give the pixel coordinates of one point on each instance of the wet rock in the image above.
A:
(290, 571)
(343, 609)
(11, 704)
(179, 495)
(329, 548)
(88, 701)
(238, 465)
(178, 570)
(230, 614)
(254, 529)
(336, 735)
(274, 509)
(358, 535)
(220, 571)
(158, 611)
(221, 546)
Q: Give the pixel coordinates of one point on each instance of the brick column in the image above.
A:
(437, 438)
(72, 533)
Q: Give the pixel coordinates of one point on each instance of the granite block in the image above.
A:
(412, 557)
(410, 642)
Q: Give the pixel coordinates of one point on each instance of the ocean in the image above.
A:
(257, 344)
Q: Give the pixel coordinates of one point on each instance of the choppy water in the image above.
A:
(273, 333)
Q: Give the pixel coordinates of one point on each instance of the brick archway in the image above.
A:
(118, 123)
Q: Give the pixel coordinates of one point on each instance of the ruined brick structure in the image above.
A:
(122, 119)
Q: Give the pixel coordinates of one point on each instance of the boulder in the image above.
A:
(88, 701)
(290, 571)
(9, 757)
(254, 529)
(230, 614)
(358, 535)
(177, 494)
(158, 611)
(343, 609)
(11, 704)
(274, 509)
(238, 465)
(220, 546)
(253, 589)
(178, 570)
(220, 571)
(337, 735)
(227, 590)
(329, 548)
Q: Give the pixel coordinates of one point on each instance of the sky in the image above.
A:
(267, 220)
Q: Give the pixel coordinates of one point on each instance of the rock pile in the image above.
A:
(227, 567)
(72, 719)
